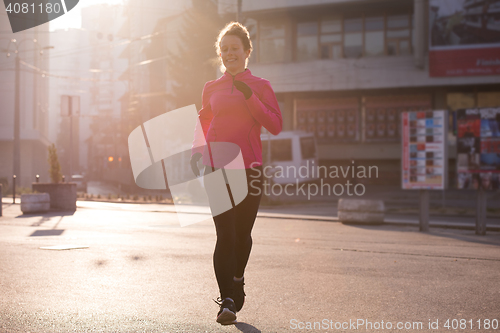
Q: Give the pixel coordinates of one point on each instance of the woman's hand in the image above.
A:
(244, 88)
(194, 163)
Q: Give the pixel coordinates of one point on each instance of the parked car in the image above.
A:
(294, 153)
(81, 183)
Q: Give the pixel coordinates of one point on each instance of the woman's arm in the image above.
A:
(266, 110)
(205, 116)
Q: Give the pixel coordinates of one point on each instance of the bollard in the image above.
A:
(14, 189)
(0, 199)
(481, 211)
(37, 178)
(64, 179)
(424, 210)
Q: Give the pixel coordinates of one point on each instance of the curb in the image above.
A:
(387, 221)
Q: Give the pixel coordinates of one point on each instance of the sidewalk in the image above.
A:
(313, 211)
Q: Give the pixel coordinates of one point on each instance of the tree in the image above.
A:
(54, 166)
(196, 61)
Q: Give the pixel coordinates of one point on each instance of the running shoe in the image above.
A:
(239, 294)
(227, 312)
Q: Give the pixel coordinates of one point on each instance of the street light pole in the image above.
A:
(16, 147)
(17, 122)
(70, 114)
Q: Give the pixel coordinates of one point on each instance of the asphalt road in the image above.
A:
(139, 271)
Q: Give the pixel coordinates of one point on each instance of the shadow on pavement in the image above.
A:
(51, 232)
(246, 328)
(491, 237)
(46, 215)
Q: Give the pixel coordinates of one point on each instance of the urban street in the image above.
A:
(132, 268)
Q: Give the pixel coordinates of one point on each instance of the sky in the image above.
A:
(73, 19)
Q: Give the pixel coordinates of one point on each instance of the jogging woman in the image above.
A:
(234, 109)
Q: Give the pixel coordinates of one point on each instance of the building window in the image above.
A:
(307, 41)
(331, 38)
(335, 37)
(374, 36)
(398, 35)
(251, 25)
(272, 42)
(353, 37)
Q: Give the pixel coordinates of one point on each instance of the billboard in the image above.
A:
(478, 148)
(464, 37)
(424, 156)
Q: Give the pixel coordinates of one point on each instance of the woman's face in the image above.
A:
(232, 54)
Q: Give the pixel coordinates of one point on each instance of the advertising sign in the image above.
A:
(464, 37)
(478, 148)
(424, 155)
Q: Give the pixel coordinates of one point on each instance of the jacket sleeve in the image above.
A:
(266, 110)
(205, 117)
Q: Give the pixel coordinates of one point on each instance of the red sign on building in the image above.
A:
(464, 38)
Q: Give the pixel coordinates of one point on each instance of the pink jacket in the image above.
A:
(226, 116)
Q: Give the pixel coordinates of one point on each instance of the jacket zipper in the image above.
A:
(232, 85)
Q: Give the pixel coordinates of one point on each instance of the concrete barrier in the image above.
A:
(62, 195)
(361, 211)
(35, 203)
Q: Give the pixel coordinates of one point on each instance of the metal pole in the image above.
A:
(14, 189)
(238, 12)
(17, 123)
(481, 211)
(70, 111)
(424, 210)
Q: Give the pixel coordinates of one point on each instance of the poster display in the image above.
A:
(478, 148)
(464, 37)
(424, 155)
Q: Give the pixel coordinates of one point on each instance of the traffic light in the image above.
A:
(111, 162)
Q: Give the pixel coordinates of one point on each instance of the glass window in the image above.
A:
(392, 48)
(354, 24)
(272, 42)
(374, 43)
(307, 148)
(398, 21)
(251, 25)
(374, 23)
(398, 33)
(331, 25)
(404, 47)
(374, 36)
(353, 40)
(331, 51)
(353, 44)
(307, 41)
(336, 38)
(331, 38)
(307, 28)
(281, 150)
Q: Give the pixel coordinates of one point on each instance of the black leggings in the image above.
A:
(234, 240)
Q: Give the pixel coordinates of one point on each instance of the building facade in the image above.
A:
(33, 52)
(346, 69)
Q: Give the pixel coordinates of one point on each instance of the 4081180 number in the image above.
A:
(462, 324)
(30, 8)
